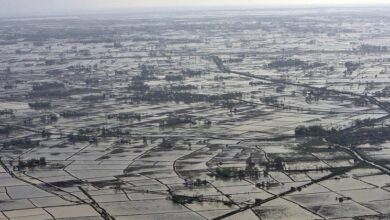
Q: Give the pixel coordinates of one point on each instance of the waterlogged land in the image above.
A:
(257, 114)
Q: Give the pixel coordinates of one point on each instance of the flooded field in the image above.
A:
(225, 114)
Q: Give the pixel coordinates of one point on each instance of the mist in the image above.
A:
(54, 7)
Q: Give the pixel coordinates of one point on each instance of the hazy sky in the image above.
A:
(44, 7)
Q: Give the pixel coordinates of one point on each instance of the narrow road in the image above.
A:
(331, 175)
(364, 159)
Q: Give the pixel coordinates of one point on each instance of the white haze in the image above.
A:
(53, 7)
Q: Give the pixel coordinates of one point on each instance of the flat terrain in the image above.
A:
(224, 114)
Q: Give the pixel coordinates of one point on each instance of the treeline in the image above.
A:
(93, 98)
(125, 116)
(174, 121)
(193, 73)
(71, 114)
(40, 105)
(7, 112)
(32, 163)
(289, 63)
(374, 135)
(174, 78)
(25, 143)
(81, 137)
(318, 130)
(182, 87)
(138, 86)
(38, 86)
(367, 48)
(366, 132)
(186, 97)
(5, 129)
(62, 92)
(351, 67)
(312, 131)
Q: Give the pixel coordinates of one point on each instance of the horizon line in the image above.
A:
(188, 8)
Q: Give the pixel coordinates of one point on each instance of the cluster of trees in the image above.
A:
(148, 70)
(88, 131)
(92, 81)
(280, 89)
(360, 102)
(7, 112)
(176, 120)
(186, 97)
(197, 182)
(166, 144)
(31, 163)
(24, 142)
(256, 83)
(182, 199)
(225, 172)
(367, 48)
(5, 129)
(234, 60)
(174, 78)
(47, 85)
(230, 105)
(373, 135)
(296, 63)
(125, 116)
(250, 171)
(229, 172)
(93, 98)
(310, 98)
(49, 118)
(311, 131)
(117, 45)
(269, 100)
(384, 93)
(62, 92)
(182, 87)
(143, 78)
(138, 86)
(50, 62)
(278, 164)
(81, 137)
(267, 184)
(71, 114)
(193, 73)
(365, 122)
(367, 132)
(9, 85)
(40, 104)
(351, 67)
(113, 132)
(78, 68)
(222, 78)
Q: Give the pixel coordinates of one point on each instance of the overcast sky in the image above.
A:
(50, 7)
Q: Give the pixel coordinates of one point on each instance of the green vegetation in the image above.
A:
(31, 163)
(166, 144)
(314, 130)
(375, 135)
(40, 105)
(186, 97)
(225, 172)
(181, 199)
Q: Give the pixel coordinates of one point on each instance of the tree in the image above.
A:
(279, 163)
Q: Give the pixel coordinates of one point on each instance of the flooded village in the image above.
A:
(220, 114)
